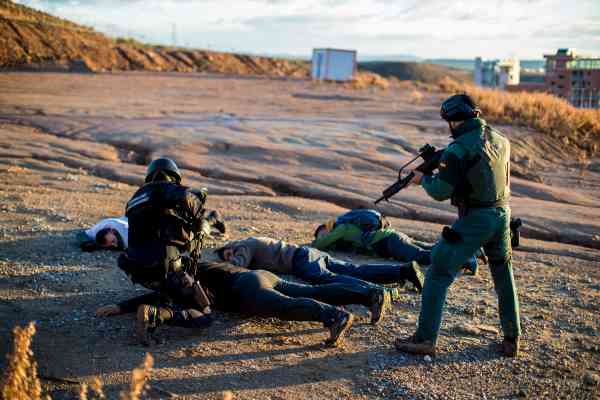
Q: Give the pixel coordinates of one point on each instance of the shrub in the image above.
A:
(20, 378)
(575, 127)
(21, 381)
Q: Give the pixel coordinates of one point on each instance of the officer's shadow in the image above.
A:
(291, 366)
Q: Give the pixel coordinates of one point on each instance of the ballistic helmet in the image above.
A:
(162, 166)
(459, 107)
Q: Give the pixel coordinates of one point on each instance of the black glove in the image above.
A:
(201, 194)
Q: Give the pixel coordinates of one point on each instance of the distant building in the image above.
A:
(496, 73)
(574, 78)
(333, 64)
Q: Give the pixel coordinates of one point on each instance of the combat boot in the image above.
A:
(509, 347)
(148, 319)
(416, 276)
(380, 302)
(412, 346)
(339, 326)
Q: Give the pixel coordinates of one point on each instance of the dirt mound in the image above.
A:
(35, 40)
(412, 71)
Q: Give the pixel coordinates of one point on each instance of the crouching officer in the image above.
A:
(474, 172)
(165, 228)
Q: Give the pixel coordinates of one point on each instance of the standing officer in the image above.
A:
(474, 173)
(165, 228)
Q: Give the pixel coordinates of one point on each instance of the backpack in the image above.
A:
(368, 220)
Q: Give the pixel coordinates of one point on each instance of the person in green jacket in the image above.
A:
(366, 231)
(474, 173)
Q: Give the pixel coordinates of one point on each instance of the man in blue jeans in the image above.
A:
(317, 267)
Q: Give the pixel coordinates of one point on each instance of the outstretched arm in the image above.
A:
(127, 306)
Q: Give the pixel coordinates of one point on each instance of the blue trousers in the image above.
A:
(402, 248)
(318, 267)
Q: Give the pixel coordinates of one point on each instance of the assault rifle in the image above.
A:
(431, 158)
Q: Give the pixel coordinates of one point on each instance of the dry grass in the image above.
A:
(578, 128)
(21, 382)
(139, 377)
(365, 80)
(20, 378)
(416, 97)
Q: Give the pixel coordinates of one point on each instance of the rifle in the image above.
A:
(431, 158)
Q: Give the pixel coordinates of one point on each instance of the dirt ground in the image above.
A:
(278, 156)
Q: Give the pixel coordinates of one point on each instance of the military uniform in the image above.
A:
(474, 172)
(165, 219)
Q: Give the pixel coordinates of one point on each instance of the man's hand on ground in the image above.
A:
(107, 311)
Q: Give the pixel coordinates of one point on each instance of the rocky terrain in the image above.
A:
(278, 157)
(30, 39)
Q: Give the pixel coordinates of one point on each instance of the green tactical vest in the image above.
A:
(486, 162)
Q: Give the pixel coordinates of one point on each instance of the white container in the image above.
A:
(333, 64)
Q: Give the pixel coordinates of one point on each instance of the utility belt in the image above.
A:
(150, 265)
(171, 275)
(464, 207)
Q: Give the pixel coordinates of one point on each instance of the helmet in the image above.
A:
(164, 165)
(459, 108)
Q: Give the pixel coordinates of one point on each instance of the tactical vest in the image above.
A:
(160, 227)
(486, 165)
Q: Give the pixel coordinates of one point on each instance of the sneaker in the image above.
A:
(380, 302)
(146, 323)
(509, 347)
(410, 345)
(343, 321)
(416, 277)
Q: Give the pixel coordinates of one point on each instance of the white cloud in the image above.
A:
(428, 28)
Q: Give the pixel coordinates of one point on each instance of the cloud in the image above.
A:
(430, 28)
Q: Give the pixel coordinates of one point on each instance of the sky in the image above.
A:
(526, 29)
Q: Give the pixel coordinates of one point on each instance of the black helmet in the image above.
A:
(164, 165)
(459, 108)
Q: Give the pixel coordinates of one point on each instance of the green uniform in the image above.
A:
(351, 236)
(474, 173)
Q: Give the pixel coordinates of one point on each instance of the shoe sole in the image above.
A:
(378, 310)
(335, 341)
(141, 327)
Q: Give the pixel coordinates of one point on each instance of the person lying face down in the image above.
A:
(251, 293)
(107, 234)
(113, 233)
(366, 231)
(312, 265)
(319, 268)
